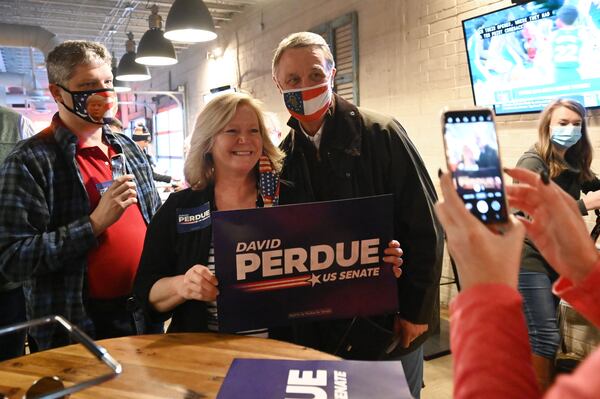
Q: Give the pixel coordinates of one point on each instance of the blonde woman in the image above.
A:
(564, 154)
(176, 273)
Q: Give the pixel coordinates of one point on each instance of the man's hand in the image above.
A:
(393, 255)
(406, 332)
(119, 196)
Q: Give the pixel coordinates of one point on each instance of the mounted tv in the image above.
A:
(523, 56)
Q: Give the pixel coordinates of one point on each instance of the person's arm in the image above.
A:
(489, 343)
(158, 285)
(161, 178)
(591, 199)
(198, 283)
(419, 233)
(536, 165)
(158, 260)
(488, 336)
(583, 383)
(27, 246)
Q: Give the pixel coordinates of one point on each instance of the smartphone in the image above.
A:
(473, 158)
(117, 163)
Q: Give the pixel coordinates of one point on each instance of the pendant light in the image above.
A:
(119, 86)
(154, 48)
(129, 70)
(189, 21)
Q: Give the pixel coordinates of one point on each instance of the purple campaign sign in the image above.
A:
(321, 379)
(303, 262)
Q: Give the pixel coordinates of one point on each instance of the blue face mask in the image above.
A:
(565, 136)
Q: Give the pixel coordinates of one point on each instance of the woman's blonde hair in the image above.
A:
(199, 166)
(579, 155)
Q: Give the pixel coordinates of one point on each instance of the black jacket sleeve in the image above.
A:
(158, 258)
(417, 229)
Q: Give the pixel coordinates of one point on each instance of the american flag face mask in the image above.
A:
(308, 104)
(268, 183)
(94, 106)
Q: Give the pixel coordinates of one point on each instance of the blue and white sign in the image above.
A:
(322, 379)
(190, 219)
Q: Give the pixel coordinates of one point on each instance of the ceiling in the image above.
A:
(104, 21)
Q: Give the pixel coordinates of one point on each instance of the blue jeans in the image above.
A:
(540, 308)
(12, 310)
(412, 363)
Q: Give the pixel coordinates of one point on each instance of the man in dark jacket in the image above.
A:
(336, 150)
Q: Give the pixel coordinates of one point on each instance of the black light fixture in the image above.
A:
(154, 48)
(119, 86)
(129, 70)
(189, 21)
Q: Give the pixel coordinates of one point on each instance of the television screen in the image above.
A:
(523, 56)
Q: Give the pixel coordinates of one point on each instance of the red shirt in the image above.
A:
(113, 264)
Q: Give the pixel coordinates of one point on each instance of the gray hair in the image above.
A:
(64, 58)
(299, 40)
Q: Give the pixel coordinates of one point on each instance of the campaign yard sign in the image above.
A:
(317, 379)
(303, 262)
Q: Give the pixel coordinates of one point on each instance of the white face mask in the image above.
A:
(565, 136)
(310, 103)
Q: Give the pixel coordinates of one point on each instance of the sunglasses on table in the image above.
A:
(52, 387)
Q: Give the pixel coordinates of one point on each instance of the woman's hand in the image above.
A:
(555, 226)
(481, 255)
(198, 283)
(393, 255)
(591, 200)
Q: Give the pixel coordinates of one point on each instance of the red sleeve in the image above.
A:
(492, 357)
(488, 337)
(585, 297)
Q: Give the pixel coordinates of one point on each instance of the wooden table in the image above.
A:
(161, 366)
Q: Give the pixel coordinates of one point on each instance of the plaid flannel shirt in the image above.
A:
(45, 229)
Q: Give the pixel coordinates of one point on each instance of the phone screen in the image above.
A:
(117, 163)
(472, 155)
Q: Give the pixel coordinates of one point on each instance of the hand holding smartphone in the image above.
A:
(117, 163)
(472, 157)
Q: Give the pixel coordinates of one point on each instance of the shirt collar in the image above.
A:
(316, 139)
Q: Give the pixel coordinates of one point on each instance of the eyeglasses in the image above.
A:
(53, 387)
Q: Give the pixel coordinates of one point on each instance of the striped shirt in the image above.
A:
(211, 306)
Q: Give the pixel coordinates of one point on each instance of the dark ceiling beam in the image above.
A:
(210, 5)
(139, 5)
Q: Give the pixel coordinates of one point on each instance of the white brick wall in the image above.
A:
(412, 64)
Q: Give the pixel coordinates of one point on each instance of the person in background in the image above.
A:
(567, 43)
(68, 232)
(142, 138)
(488, 332)
(564, 152)
(338, 151)
(13, 128)
(488, 155)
